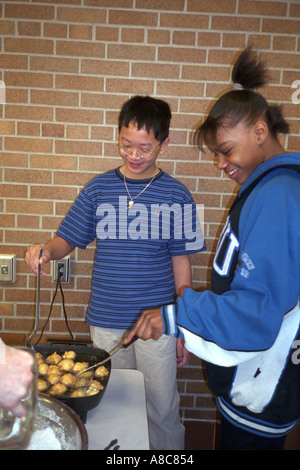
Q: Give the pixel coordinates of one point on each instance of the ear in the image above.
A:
(164, 146)
(261, 131)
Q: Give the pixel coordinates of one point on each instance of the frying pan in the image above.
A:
(85, 352)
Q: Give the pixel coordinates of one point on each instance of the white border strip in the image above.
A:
(250, 424)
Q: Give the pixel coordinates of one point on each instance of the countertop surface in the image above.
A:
(121, 415)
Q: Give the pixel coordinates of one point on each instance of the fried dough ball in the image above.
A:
(69, 355)
(54, 370)
(78, 393)
(53, 358)
(53, 379)
(39, 358)
(66, 365)
(43, 368)
(58, 389)
(79, 366)
(94, 388)
(41, 385)
(67, 379)
(96, 384)
(92, 391)
(101, 371)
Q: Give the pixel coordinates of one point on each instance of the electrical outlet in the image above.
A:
(7, 268)
(63, 265)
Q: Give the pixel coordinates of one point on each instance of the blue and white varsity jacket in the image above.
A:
(247, 327)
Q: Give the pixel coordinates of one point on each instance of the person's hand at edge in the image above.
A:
(148, 326)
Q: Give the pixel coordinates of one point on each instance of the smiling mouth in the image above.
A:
(232, 172)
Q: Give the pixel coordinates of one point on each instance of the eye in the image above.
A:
(227, 152)
(144, 152)
(125, 149)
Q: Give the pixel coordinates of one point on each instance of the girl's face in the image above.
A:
(239, 150)
(137, 142)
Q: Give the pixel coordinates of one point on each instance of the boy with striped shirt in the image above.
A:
(146, 225)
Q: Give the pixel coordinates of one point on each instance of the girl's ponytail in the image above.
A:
(248, 72)
(242, 103)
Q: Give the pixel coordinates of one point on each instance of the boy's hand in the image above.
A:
(32, 258)
(183, 355)
(148, 326)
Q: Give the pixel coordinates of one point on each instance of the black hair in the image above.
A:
(149, 113)
(243, 104)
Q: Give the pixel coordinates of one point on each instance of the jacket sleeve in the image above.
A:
(231, 328)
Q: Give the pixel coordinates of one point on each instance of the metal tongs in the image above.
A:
(113, 351)
(37, 308)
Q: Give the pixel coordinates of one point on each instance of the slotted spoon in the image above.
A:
(113, 351)
(28, 342)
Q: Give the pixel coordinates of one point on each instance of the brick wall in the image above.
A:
(68, 65)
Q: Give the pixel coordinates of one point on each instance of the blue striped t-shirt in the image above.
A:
(132, 266)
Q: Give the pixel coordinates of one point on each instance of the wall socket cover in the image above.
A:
(7, 268)
(66, 261)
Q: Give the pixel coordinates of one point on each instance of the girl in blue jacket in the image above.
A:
(246, 327)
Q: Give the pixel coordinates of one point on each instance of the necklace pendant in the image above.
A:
(131, 202)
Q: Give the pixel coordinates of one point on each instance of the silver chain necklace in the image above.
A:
(131, 202)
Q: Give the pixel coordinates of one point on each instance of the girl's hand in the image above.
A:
(148, 326)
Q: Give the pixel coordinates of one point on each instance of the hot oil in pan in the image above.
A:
(83, 354)
(80, 360)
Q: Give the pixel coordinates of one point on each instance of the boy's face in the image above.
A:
(139, 142)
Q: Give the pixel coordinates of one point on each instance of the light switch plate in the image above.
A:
(7, 268)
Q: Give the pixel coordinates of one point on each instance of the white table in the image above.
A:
(121, 414)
